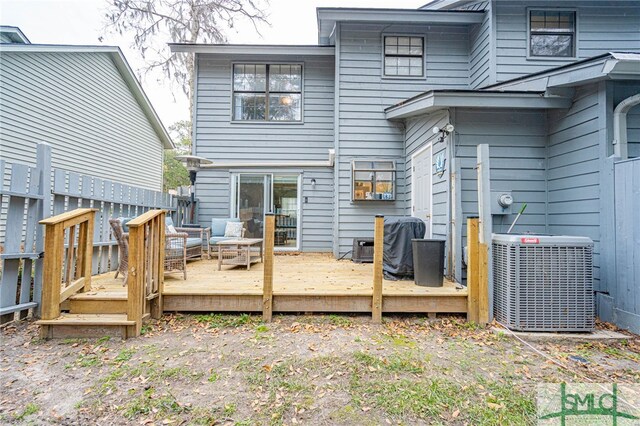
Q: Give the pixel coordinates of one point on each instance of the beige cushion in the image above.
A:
(233, 230)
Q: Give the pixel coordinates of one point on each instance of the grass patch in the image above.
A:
(103, 339)
(213, 377)
(28, 410)
(124, 355)
(340, 320)
(221, 321)
(160, 405)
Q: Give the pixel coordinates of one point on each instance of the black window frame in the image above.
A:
(266, 92)
(386, 55)
(572, 32)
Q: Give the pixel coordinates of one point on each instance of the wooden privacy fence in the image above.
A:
(30, 194)
(146, 267)
(67, 265)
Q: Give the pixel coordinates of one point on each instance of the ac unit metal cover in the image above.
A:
(543, 282)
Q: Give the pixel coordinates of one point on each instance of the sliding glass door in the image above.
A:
(255, 195)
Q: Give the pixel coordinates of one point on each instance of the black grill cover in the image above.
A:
(398, 252)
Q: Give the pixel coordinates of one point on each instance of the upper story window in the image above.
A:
(403, 56)
(267, 92)
(552, 33)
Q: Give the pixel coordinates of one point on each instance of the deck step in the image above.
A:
(88, 319)
(87, 325)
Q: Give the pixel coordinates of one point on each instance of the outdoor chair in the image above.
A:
(196, 238)
(175, 252)
(218, 227)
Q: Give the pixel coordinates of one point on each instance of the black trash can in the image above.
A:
(428, 262)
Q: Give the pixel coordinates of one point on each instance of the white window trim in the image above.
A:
(267, 122)
(575, 34)
(404, 77)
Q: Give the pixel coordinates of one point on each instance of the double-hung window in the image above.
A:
(403, 56)
(267, 92)
(552, 34)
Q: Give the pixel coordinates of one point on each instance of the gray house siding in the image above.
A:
(80, 104)
(602, 26)
(418, 134)
(621, 91)
(480, 38)
(220, 139)
(574, 171)
(364, 94)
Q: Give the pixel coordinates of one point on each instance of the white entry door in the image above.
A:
(421, 188)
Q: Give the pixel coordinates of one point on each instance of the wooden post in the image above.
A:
(378, 247)
(267, 290)
(157, 307)
(43, 163)
(53, 259)
(135, 280)
(472, 269)
(88, 250)
(485, 290)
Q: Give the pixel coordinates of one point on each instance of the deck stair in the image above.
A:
(87, 325)
(71, 306)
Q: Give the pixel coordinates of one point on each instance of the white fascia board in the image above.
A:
(327, 17)
(253, 49)
(433, 101)
(399, 16)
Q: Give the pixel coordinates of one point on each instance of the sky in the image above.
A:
(82, 22)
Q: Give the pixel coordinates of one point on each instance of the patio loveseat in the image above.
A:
(218, 228)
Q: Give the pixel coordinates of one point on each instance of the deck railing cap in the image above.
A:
(145, 217)
(53, 220)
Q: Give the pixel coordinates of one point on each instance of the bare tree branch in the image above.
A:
(153, 23)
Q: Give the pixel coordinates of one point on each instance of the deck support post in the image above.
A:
(267, 290)
(485, 291)
(472, 269)
(378, 247)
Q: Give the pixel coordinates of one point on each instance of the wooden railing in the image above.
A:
(146, 267)
(68, 250)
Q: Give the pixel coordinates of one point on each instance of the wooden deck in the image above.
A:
(301, 283)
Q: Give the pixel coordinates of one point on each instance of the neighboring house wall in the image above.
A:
(364, 94)
(573, 177)
(80, 105)
(602, 26)
(219, 139)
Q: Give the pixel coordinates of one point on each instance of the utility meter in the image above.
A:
(501, 202)
(505, 200)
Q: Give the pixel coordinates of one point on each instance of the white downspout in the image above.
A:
(620, 126)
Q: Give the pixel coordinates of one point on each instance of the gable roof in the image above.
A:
(123, 67)
(14, 34)
(328, 17)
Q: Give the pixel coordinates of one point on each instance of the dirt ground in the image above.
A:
(316, 370)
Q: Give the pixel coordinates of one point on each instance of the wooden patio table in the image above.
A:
(238, 252)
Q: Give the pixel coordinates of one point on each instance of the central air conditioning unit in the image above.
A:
(543, 283)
